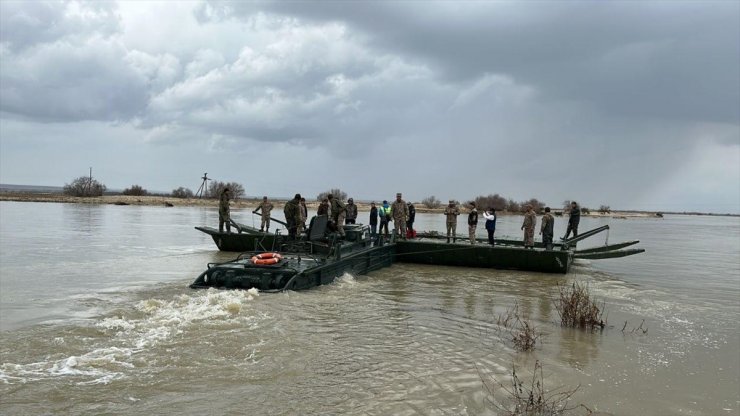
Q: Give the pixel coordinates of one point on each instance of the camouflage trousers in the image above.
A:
(301, 225)
(265, 223)
(451, 228)
(529, 237)
(471, 233)
(339, 221)
(224, 218)
(400, 227)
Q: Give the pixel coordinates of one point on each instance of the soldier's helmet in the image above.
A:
(350, 200)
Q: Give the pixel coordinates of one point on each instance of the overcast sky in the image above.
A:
(631, 104)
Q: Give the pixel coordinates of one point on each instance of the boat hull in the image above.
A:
(294, 273)
(241, 242)
(481, 255)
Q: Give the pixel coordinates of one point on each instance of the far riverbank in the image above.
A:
(244, 203)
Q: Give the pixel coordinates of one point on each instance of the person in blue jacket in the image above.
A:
(490, 217)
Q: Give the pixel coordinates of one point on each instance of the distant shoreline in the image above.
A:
(162, 200)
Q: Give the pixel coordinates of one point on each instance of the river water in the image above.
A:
(96, 317)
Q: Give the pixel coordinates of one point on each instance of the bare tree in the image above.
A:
(431, 202)
(338, 193)
(536, 205)
(216, 187)
(135, 190)
(84, 186)
(494, 201)
(182, 192)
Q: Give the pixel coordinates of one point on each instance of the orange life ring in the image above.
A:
(262, 262)
(269, 256)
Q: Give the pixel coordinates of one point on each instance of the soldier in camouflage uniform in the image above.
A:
(451, 212)
(530, 221)
(292, 213)
(265, 207)
(400, 214)
(575, 218)
(547, 229)
(338, 213)
(472, 223)
(224, 216)
(351, 211)
(303, 216)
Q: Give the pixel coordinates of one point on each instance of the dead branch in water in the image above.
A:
(523, 333)
(530, 397)
(638, 329)
(577, 309)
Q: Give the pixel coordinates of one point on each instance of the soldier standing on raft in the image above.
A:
(400, 214)
(575, 218)
(303, 217)
(530, 221)
(338, 213)
(547, 229)
(223, 211)
(451, 212)
(351, 211)
(265, 207)
(472, 223)
(292, 212)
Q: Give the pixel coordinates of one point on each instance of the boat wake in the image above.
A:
(122, 343)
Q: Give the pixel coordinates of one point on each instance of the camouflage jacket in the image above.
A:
(292, 210)
(223, 203)
(548, 224)
(265, 208)
(399, 211)
(451, 213)
(337, 207)
(530, 220)
(351, 211)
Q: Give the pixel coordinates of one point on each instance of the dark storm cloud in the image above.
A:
(652, 59)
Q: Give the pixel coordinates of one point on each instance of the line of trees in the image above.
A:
(87, 186)
(501, 203)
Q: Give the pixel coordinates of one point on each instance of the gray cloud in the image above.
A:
(601, 102)
(26, 24)
(651, 59)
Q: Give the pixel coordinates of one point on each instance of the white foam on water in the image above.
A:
(153, 322)
(345, 281)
